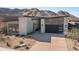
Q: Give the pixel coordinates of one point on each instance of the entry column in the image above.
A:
(42, 25)
(66, 19)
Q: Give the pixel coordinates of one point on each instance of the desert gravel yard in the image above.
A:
(17, 43)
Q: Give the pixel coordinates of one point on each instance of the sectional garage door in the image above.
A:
(53, 28)
(54, 25)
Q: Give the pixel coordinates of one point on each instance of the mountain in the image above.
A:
(13, 14)
(73, 18)
(7, 14)
(37, 12)
(63, 13)
(31, 12)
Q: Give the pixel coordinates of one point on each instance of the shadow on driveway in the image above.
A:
(44, 37)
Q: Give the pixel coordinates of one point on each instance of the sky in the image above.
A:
(71, 10)
(53, 5)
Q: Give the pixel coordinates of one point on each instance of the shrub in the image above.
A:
(74, 35)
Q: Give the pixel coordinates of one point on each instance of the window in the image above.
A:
(13, 28)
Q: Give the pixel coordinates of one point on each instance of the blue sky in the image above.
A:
(72, 10)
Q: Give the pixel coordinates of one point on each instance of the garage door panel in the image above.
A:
(53, 29)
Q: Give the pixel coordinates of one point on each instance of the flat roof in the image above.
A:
(47, 16)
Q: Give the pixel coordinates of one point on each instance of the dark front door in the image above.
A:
(53, 28)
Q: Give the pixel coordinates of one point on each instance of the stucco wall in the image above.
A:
(25, 25)
(29, 25)
(54, 21)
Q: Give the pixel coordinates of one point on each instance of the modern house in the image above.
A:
(28, 24)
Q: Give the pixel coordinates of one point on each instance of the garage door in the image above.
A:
(53, 28)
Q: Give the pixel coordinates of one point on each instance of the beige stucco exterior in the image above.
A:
(30, 24)
(25, 25)
(54, 21)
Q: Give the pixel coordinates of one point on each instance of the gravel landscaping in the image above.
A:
(16, 42)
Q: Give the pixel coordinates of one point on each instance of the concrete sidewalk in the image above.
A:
(58, 44)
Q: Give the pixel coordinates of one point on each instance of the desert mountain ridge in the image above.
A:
(32, 11)
(7, 13)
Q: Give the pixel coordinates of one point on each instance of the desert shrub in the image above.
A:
(73, 34)
(27, 47)
(21, 42)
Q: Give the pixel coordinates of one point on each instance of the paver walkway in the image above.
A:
(58, 44)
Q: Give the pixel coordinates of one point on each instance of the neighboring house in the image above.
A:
(73, 23)
(28, 24)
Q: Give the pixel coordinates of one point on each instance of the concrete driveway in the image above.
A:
(44, 37)
(41, 46)
(49, 42)
(58, 44)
